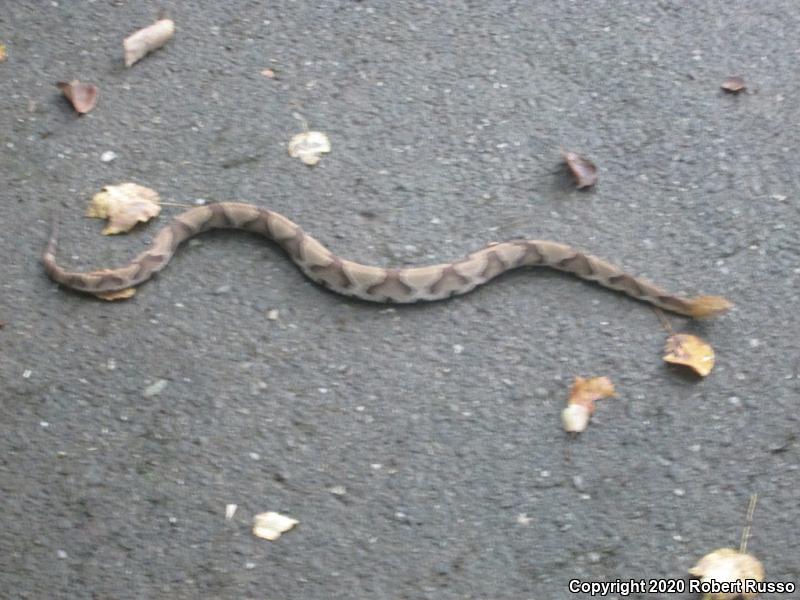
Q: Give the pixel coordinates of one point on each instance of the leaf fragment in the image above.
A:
(270, 525)
(3, 54)
(729, 565)
(690, 351)
(145, 40)
(124, 205)
(308, 146)
(734, 84)
(580, 406)
(82, 96)
(584, 170)
(117, 294)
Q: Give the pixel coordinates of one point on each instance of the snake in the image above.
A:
(400, 285)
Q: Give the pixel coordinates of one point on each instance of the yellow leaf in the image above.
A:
(2, 52)
(690, 351)
(124, 206)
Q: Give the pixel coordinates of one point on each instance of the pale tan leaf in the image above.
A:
(729, 565)
(82, 96)
(690, 351)
(146, 40)
(270, 525)
(308, 146)
(3, 54)
(124, 205)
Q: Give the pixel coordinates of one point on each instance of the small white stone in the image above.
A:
(254, 455)
(155, 388)
(272, 315)
(108, 156)
(523, 519)
(458, 348)
(679, 492)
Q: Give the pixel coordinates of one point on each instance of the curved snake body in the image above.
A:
(376, 284)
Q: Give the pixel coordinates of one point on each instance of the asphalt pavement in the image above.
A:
(420, 448)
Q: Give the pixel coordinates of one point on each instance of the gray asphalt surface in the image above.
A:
(440, 423)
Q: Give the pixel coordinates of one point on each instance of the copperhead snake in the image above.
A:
(375, 284)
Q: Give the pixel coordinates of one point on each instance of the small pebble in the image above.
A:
(108, 156)
(223, 289)
(458, 348)
(155, 388)
(273, 314)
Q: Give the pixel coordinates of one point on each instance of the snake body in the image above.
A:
(371, 283)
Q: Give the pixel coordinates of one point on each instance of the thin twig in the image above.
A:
(662, 318)
(748, 523)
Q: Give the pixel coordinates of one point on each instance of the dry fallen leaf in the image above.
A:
(729, 565)
(82, 96)
(146, 40)
(308, 146)
(690, 351)
(124, 205)
(117, 294)
(582, 396)
(270, 525)
(2, 52)
(268, 73)
(584, 170)
(734, 85)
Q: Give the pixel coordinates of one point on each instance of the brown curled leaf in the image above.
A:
(146, 40)
(584, 170)
(690, 351)
(734, 84)
(580, 406)
(82, 96)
